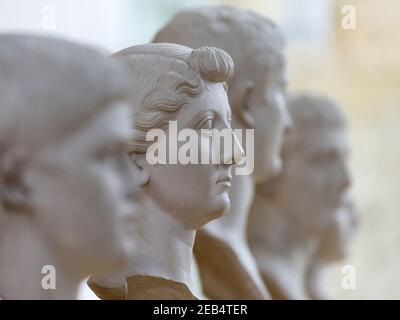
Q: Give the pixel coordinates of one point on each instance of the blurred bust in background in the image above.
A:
(291, 214)
(65, 182)
(257, 99)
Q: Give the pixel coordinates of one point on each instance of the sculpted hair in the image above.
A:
(310, 112)
(175, 75)
(50, 88)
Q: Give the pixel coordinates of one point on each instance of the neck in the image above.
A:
(282, 252)
(23, 254)
(231, 229)
(163, 247)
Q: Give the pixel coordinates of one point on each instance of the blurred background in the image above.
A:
(357, 65)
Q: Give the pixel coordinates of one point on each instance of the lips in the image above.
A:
(225, 181)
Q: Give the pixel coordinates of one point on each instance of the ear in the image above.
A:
(140, 169)
(240, 96)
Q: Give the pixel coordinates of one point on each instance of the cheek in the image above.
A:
(185, 178)
(75, 211)
(105, 181)
(311, 177)
(268, 135)
(275, 103)
(95, 181)
(265, 121)
(78, 197)
(190, 190)
(323, 180)
(58, 207)
(264, 135)
(264, 152)
(301, 185)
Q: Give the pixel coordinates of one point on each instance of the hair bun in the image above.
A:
(213, 64)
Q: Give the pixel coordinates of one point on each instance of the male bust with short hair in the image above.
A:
(291, 214)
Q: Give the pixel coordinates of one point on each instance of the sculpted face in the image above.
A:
(315, 179)
(82, 191)
(197, 193)
(265, 101)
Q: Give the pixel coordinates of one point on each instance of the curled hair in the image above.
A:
(213, 64)
(179, 76)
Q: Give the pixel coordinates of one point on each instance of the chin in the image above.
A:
(223, 206)
(219, 208)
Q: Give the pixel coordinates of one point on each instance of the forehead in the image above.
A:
(322, 139)
(111, 124)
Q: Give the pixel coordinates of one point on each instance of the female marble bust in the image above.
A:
(172, 83)
(291, 213)
(257, 98)
(65, 182)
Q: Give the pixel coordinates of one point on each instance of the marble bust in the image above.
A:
(65, 181)
(333, 247)
(257, 98)
(172, 83)
(291, 213)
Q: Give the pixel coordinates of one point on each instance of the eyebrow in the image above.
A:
(199, 117)
(202, 115)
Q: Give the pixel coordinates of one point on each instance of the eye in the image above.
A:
(206, 123)
(230, 121)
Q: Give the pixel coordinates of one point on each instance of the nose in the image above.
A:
(233, 153)
(287, 119)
